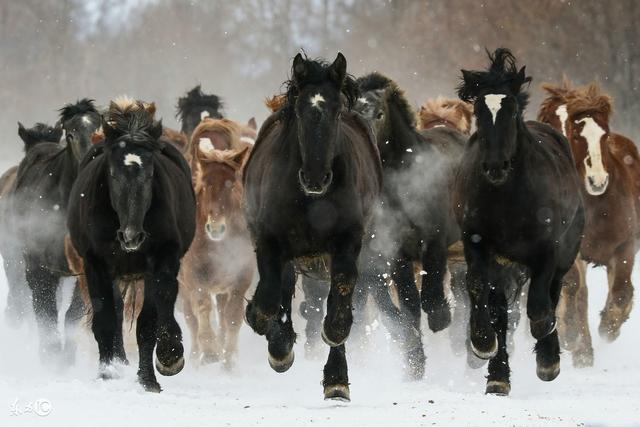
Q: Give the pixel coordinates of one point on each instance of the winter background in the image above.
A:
(56, 51)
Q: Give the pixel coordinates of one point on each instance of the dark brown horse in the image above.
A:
(609, 166)
(219, 262)
(310, 186)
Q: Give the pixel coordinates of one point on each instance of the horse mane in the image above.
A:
(226, 127)
(590, 98)
(81, 107)
(395, 95)
(454, 111)
(196, 98)
(275, 102)
(40, 132)
(132, 119)
(557, 94)
(502, 75)
(317, 72)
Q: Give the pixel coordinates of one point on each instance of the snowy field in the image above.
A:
(450, 394)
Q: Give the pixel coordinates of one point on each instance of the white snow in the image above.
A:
(450, 394)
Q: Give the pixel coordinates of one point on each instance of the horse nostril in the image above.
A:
(485, 167)
(326, 180)
(505, 165)
(223, 228)
(302, 177)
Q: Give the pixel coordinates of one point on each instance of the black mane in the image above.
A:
(132, 121)
(83, 106)
(396, 96)
(502, 75)
(45, 133)
(195, 98)
(317, 72)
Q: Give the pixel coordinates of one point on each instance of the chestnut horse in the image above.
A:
(609, 166)
(447, 112)
(219, 262)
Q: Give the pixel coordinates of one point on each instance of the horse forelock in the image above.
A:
(393, 94)
(225, 127)
(590, 99)
(196, 99)
(557, 95)
(81, 107)
(502, 76)
(133, 122)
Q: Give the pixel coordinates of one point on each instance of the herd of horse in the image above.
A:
(344, 187)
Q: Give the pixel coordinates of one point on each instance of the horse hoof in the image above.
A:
(498, 388)
(414, 370)
(488, 353)
(282, 365)
(151, 386)
(608, 334)
(548, 373)
(108, 372)
(542, 327)
(172, 369)
(439, 317)
(333, 342)
(338, 392)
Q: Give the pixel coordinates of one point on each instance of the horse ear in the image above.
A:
(520, 79)
(109, 130)
(57, 131)
(156, 130)
(150, 107)
(338, 70)
(466, 89)
(252, 123)
(22, 132)
(299, 68)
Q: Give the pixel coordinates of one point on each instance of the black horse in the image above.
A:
(310, 184)
(517, 202)
(415, 222)
(19, 298)
(195, 106)
(132, 216)
(38, 212)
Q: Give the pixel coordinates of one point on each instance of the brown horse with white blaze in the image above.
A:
(609, 165)
(219, 262)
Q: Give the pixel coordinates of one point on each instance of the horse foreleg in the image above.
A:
(104, 321)
(620, 297)
(336, 378)
(146, 336)
(231, 320)
(540, 310)
(499, 372)
(409, 299)
(265, 305)
(434, 302)
(192, 323)
(482, 337)
(280, 334)
(162, 288)
(19, 296)
(344, 273)
(206, 336)
(74, 314)
(547, 347)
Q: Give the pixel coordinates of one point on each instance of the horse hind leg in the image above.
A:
(572, 311)
(434, 301)
(231, 321)
(336, 378)
(192, 324)
(19, 296)
(312, 310)
(620, 297)
(72, 318)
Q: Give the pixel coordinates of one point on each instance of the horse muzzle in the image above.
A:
(596, 185)
(315, 187)
(215, 230)
(131, 240)
(496, 174)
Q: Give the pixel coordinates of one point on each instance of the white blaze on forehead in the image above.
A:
(363, 100)
(316, 100)
(562, 114)
(132, 159)
(86, 120)
(494, 103)
(205, 145)
(595, 172)
(204, 114)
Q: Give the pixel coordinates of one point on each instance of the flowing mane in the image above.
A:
(556, 95)
(590, 98)
(395, 95)
(197, 150)
(317, 71)
(502, 76)
(83, 106)
(275, 103)
(133, 120)
(454, 111)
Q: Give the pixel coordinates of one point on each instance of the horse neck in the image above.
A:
(402, 134)
(68, 170)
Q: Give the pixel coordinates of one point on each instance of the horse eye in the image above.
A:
(379, 116)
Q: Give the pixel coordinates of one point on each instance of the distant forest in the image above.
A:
(55, 51)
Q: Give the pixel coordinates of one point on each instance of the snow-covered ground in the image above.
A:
(450, 394)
